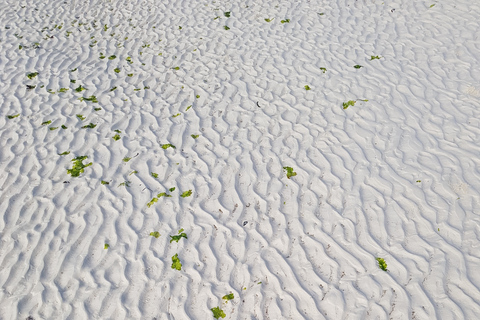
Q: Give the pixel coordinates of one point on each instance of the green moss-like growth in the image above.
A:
(218, 313)
(126, 159)
(323, 70)
(104, 182)
(374, 57)
(382, 264)
(13, 116)
(117, 70)
(116, 137)
(176, 264)
(80, 88)
(64, 153)
(290, 172)
(285, 21)
(228, 297)
(168, 145)
(227, 14)
(32, 75)
(179, 236)
(155, 234)
(89, 126)
(186, 194)
(78, 166)
(195, 136)
(155, 175)
(152, 202)
(112, 57)
(349, 103)
(307, 88)
(45, 123)
(357, 66)
(163, 194)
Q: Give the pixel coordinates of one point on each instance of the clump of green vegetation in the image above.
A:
(73, 70)
(176, 68)
(197, 96)
(13, 116)
(32, 75)
(50, 91)
(80, 89)
(419, 181)
(269, 20)
(218, 313)
(164, 194)
(89, 126)
(382, 264)
(64, 153)
(52, 128)
(155, 175)
(171, 189)
(129, 60)
(195, 136)
(117, 70)
(125, 184)
(374, 57)
(31, 87)
(113, 89)
(45, 123)
(228, 297)
(155, 234)
(186, 194)
(112, 57)
(285, 21)
(180, 235)
(116, 137)
(97, 109)
(64, 127)
(176, 115)
(290, 172)
(126, 159)
(78, 166)
(133, 172)
(62, 90)
(323, 69)
(357, 66)
(188, 108)
(307, 88)
(91, 99)
(104, 182)
(168, 145)
(81, 117)
(106, 246)
(130, 75)
(226, 28)
(152, 202)
(349, 103)
(176, 264)
(227, 14)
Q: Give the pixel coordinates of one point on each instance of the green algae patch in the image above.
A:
(78, 166)
(176, 264)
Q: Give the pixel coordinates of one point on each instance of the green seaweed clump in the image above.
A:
(218, 313)
(78, 166)
(176, 264)
(382, 264)
(290, 172)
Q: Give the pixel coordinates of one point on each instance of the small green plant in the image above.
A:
(130, 75)
(104, 182)
(176, 264)
(290, 172)
(163, 194)
(176, 115)
(102, 56)
(105, 28)
(91, 99)
(133, 172)
(89, 126)
(113, 89)
(62, 90)
(116, 137)
(155, 234)
(176, 68)
(382, 264)
(307, 88)
(64, 153)
(177, 237)
(269, 20)
(13, 116)
(155, 175)
(349, 103)
(197, 96)
(357, 66)
(188, 108)
(73, 81)
(228, 297)
(126, 159)
(112, 57)
(186, 194)
(73, 70)
(432, 5)
(227, 14)
(80, 89)
(374, 57)
(152, 202)
(64, 127)
(52, 128)
(195, 136)
(106, 246)
(81, 117)
(125, 184)
(117, 70)
(218, 313)
(31, 87)
(323, 69)
(129, 60)
(226, 28)
(171, 189)
(32, 75)
(285, 21)
(97, 109)
(45, 123)
(419, 181)
(168, 145)
(78, 166)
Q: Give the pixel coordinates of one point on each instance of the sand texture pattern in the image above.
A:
(191, 159)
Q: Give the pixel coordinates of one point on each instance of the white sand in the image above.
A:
(395, 177)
